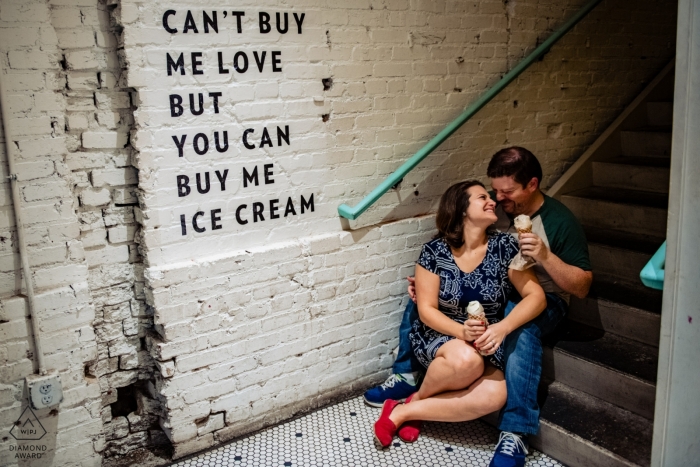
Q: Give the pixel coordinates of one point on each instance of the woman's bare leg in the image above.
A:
(486, 395)
(456, 366)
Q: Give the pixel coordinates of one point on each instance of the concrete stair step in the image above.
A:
(615, 318)
(613, 289)
(620, 239)
(632, 211)
(634, 173)
(620, 254)
(618, 302)
(652, 141)
(618, 262)
(660, 113)
(612, 368)
(599, 406)
(583, 431)
(610, 350)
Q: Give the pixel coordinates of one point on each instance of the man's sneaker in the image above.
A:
(510, 451)
(395, 387)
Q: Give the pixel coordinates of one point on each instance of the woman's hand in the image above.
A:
(473, 329)
(491, 339)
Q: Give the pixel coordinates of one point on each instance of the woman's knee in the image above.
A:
(466, 361)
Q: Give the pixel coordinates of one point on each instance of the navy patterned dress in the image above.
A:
(488, 284)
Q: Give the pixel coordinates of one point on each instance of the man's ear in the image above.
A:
(532, 185)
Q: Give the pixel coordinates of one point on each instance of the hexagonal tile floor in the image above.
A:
(341, 435)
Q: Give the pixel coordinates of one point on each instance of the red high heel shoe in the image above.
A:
(384, 428)
(410, 430)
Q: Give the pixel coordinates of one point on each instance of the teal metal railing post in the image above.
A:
(354, 212)
(652, 275)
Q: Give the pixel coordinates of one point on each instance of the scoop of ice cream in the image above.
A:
(522, 222)
(475, 308)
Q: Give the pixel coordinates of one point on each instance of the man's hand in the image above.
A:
(531, 245)
(570, 279)
(412, 287)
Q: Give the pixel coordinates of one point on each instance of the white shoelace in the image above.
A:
(510, 443)
(391, 381)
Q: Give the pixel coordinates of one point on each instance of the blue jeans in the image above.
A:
(523, 354)
(406, 361)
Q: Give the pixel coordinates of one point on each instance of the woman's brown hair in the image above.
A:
(451, 212)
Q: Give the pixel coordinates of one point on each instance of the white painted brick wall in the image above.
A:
(249, 315)
(98, 122)
(370, 124)
(64, 308)
(68, 124)
(256, 323)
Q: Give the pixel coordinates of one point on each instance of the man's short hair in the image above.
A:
(515, 162)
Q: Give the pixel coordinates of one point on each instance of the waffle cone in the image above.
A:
(480, 317)
(522, 231)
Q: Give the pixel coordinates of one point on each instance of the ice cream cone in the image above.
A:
(476, 311)
(523, 224)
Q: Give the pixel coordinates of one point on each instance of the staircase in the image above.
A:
(598, 387)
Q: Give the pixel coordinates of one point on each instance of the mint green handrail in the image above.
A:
(652, 275)
(354, 212)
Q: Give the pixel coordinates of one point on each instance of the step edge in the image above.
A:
(633, 309)
(637, 287)
(623, 308)
(645, 317)
(616, 203)
(639, 166)
(661, 190)
(649, 131)
(557, 430)
(592, 231)
(636, 379)
(619, 203)
(604, 278)
(607, 246)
